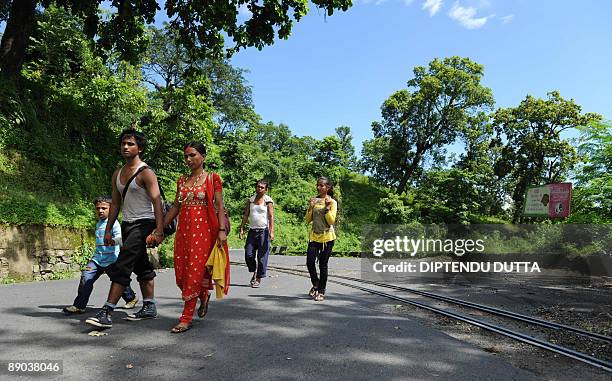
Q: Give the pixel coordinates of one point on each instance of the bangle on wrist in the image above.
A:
(222, 230)
(157, 234)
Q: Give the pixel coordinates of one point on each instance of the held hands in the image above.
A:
(108, 238)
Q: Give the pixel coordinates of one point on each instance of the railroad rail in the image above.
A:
(519, 336)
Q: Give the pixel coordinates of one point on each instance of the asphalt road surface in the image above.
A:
(274, 332)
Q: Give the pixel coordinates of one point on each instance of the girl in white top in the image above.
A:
(259, 209)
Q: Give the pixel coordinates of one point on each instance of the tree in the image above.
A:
(535, 153)
(72, 107)
(167, 67)
(447, 195)
(349, 160)
(478, 161)
(329, 152)
(202, 25)
(592, 197)
(16, 34)
(188, 117)
(269, 151)
(419, 121)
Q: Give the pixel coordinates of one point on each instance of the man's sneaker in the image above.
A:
(148, 311)
(131, 304)
(70, 310)
(102, 318)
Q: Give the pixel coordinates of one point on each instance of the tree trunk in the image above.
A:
(408, 174)
(16, 37)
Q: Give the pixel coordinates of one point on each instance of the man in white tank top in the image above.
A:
(259, 210)
(142, 223)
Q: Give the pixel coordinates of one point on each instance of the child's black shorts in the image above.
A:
(133, 256)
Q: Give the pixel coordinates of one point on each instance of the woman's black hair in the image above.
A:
(264, 182)
(106, 199)
(139, 137)
(330, 185)
(197, 146)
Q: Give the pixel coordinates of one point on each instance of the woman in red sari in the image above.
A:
(198, 198)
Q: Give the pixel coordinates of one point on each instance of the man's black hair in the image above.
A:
(139, 137)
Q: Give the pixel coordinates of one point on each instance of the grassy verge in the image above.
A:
(28, 196)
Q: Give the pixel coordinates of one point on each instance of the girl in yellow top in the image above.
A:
(321, 213)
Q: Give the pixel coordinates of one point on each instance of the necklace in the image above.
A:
(190, 194)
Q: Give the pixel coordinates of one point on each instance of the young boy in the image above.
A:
(103, 257)
(259, 209)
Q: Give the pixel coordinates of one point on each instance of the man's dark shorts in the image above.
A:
(133, 256)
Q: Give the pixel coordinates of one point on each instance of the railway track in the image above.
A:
(513, 334)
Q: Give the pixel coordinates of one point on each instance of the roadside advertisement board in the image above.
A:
(550, 200)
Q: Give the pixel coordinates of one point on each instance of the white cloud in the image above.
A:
(466, 16)
(507, 19)
(433, 6)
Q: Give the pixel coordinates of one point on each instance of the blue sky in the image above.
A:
(338, 70)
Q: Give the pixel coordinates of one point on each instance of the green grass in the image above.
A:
(59, 275)
(29, 197)
(13, 278)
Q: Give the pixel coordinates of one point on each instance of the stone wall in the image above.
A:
(34, 252)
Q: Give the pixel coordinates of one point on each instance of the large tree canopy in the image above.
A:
(202, 25)
(419, 123)
(535, 152)
(168, 67)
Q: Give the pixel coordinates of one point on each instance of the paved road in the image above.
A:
(275, 332)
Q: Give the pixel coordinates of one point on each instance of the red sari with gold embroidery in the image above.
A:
(196, 233)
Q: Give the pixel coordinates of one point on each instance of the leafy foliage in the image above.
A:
(59, 126)
(535, 153)
(417, 124)
(592, 198)
(201, 25)
(167, 66)
(82, 99)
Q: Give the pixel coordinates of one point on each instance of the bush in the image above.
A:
(392, 210)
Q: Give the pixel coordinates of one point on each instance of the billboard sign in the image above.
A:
(550, 200)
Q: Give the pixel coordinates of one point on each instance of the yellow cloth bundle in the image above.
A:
(216, 266)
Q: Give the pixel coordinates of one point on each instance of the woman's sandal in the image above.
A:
(319, 297)
(313, 292)
(203, 310)
(180, 328)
